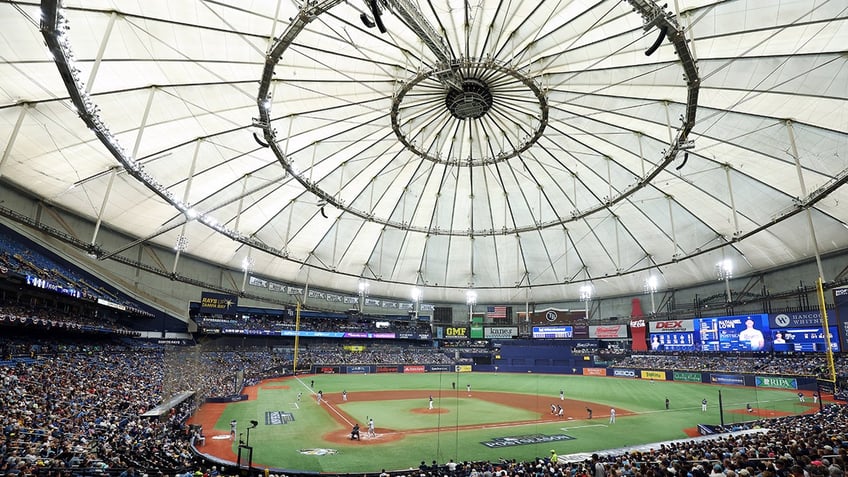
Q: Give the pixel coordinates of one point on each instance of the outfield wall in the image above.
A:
(801, 383)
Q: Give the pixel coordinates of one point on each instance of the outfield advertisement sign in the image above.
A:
(513, 441)
(414, 369)
(624, 373)
(594, 372)
(358, 369)
(774, 382)
(387, 369)
(441, 368)
(655, 375)
(734, 379)
(462, 368)
(501, 332)
(327, 370)
(689, 377)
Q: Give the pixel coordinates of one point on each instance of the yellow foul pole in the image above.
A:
(296, 337)
(827, 338)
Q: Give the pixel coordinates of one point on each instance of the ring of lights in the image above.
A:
(480, 99)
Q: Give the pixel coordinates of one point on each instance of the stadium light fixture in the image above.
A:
(724, 271)
(471, 300)
(363, 292)
(586, 292)
(651, 287)
(416, 301)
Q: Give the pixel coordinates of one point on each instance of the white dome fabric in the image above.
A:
(545, 154)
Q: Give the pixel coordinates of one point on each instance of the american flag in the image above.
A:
(496, 312)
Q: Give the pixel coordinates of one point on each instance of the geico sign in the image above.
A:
(455, 331)
(669, 325)
(629, 373)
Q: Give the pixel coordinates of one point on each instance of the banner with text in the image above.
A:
(501, 332)
(608, 331)
(218, 303)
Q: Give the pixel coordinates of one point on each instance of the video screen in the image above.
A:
(734, 333)
(804, 339)
(674, 341)
(553, 332)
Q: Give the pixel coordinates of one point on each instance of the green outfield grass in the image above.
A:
(278, 446)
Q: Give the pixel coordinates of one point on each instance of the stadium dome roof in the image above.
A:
(520, 148)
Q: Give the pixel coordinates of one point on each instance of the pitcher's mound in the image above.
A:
(424, 410)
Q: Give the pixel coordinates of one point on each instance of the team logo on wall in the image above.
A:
(513, 441)
(318, 451)
(551, 316)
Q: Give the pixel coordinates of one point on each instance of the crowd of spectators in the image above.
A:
(47, 271)
(46, 318)
(70, 406)
(276, 323)
(81, 409)
(808, 364)
(813, 445)
(374, 354)
(73, 407)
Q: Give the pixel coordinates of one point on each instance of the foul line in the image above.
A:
(581, 427)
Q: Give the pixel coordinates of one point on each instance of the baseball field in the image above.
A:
(475, 416)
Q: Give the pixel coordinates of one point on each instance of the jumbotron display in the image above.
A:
(740, 333)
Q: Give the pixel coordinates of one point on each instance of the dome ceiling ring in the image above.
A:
(488, 88)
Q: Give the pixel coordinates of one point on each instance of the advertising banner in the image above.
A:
(594, 372)
(458, 332)
(776, 382)
(501, 332)
(689, 377)
(441, 368)
(414, 369)
(218, 303)
(624, 373)
(463, 368)
(387, 369)
(734, 379)
(671, 326)
(358, 369)
(476, 331)
(608, 331)
(327, 370)
(639, 333)
(655, 375)
(797, 319)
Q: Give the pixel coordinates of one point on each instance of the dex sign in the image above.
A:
(669, 326)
